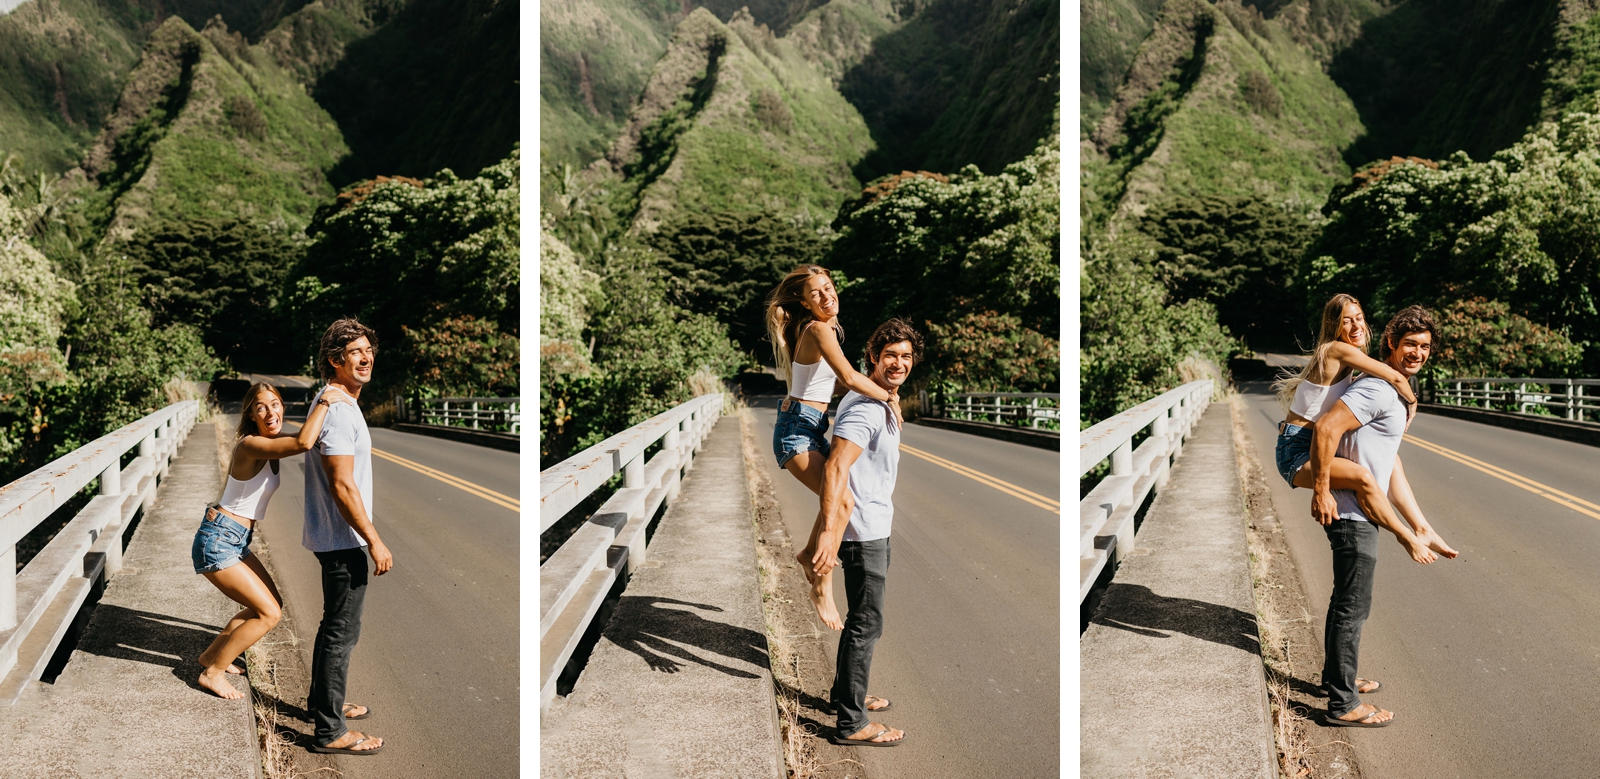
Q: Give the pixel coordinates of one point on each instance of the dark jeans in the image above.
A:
(866, 570)
(344, 588)
(1355, 561)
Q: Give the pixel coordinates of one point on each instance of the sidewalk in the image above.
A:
(1170, 668)
(126, 705)
(679, 684)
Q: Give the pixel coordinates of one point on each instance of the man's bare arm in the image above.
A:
(835, 486)
(1326, 433)
(341, 479)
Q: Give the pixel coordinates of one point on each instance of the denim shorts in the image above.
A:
(1294, 450)
(220, 542)
(800, 429)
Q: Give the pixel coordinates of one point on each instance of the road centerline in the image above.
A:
(1542, 490)
(983, 478)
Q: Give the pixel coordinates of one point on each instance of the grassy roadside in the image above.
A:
(801, 671)
(1291, 645)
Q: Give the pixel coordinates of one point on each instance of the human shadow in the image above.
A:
(147, 637)
(1137, 609)
(644, 627)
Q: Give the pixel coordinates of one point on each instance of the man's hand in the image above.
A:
(826, 554)
(381, 559)
(1324, 509)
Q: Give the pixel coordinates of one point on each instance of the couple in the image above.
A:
(1341, 439)
(854, 476)
(338, 511)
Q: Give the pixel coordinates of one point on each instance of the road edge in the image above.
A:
(1303, 747)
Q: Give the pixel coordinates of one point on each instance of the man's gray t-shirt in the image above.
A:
(866, 423)
(344, 431)
(1377, 406)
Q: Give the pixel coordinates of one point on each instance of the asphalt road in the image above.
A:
(438, 655)
(970, 652)
(1490, 661)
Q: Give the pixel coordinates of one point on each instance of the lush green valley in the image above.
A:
(911, 147)
(1252, 158)
(196, 187)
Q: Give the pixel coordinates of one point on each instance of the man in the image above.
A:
(865, 459)
(1366, 426)
(338, 524)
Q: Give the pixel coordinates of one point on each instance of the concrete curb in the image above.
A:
(684, 653)
(1176, 635)
(126, 705)
(1044, 439)
(1566, 430)
(503, 441)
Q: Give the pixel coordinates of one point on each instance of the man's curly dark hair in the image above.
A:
(338, 336)
(1412, 319)
(892, 332)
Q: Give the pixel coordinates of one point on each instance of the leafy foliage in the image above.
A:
(1483, 338)
(1238, 254)
(225, 278)
(1520, 228)
(1135, 341)
(463, 357)
(932, 251)
(725, 264)
(396, 254)
(987, 351)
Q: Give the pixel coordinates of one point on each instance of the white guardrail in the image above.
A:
(1106, 514)
(576, 578)
(39, 603)
(1561, 398)
(497, 414)
(1030, 409)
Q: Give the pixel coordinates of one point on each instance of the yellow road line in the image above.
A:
(1570, 501)
(1008, 488)
(459, 483)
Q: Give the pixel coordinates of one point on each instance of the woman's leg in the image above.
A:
(248, 584)
(1353, 476)
(808, 467)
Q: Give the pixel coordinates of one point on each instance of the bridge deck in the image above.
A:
(1170, 666)
(126, 703)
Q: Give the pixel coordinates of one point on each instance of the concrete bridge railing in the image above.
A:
(1036, 410)
(1576, 400)
(496, 414)
(40, 602)
(1106, 514)
(577, 577)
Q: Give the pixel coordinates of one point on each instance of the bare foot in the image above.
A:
(205, 662)
(1419, 552)
(821, 593)
(217, 682)
(1432, 540)
(875, 733)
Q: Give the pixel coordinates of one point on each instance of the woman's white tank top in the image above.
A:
(812, 382)
(248, 499)
(1310, 400)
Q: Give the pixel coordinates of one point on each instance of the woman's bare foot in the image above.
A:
(205, 662)
(1432, 540)
(217, 682)
(821, 593)
(1419, 551)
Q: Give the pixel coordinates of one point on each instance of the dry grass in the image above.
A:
(274, 737)
(799, 743)
(1289, 724)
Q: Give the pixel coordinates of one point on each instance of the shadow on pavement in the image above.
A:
(1140, 610)
(646, 629)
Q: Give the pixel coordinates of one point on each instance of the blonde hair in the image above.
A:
(247, 423)
(787, 317)
(1327, 333)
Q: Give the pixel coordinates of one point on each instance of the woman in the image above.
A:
(221, 549)
(1340, 352)
(803, 324)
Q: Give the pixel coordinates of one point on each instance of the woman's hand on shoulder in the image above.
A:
(336, 394)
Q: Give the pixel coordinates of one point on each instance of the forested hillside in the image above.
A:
(912, 147)
(196, 187)
(1244, 160)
